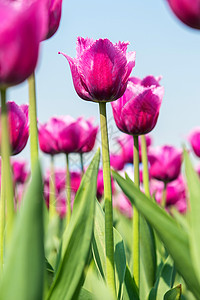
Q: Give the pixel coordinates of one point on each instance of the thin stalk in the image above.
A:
(33, 121)
(68, 189)
(136, 219)
(7, 193)
(164, 194)
(82, 163)
(52, 191)
(145, 170)
(110, 275)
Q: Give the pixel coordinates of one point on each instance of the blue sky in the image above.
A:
(164, 46)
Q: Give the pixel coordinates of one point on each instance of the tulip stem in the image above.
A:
(164, 194)
(52, 191)
(68, 189)
(110, 275)
(145, 170)
(7, 192)
(82, 164)
(33, 121)
(136, 219)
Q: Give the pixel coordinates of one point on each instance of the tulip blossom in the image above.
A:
(101, 69)
(100, 185)
(136, 112)
(20, 173)
(194, 139)
(54, 15)
(117, 161)
(126, 143)
(175, 193)
(187, 11)
(18, 125)
(165, 163)
(22, 27)
(66, 135)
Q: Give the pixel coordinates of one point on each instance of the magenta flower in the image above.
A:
(101, 69)
(187, 11)
(20, 173)
(66, 135)
(54, 16)
(19, 126)
(136, 112)
(117, 161)
(21, 29)
(126, 143)
(100, 185)
(165, 163)
(176, 194)
(194, 139)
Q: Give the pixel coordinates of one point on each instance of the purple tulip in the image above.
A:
(126, 142)
(117, 161)
(66, 135)
(20, 173)
(136, 112)
(194, 139)
(19, 126)
(176, 193)
(100, 185)
(101, 69)
(165, 163)
(54, 16)
(23, 24)
(188, 11)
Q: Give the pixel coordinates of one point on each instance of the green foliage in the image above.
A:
(173, 294)
(77, 238)
(99, 250)
(23, 276)
(175, 239)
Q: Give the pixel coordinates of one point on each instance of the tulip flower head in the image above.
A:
(101, 69)
(20, 173)
(165, 163)
(66, 135)
(194, 139)
(176, 194)
(187, 11)
(22, 26)
(18, 125)
(136, 112)
(54, 16)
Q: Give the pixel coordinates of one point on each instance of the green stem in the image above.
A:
(7, 193)
(82, 164)
(145, 170)
(110, 275)
(68, 190)
(33, 121)
(164, 194)
(52, 191)
(136, 219)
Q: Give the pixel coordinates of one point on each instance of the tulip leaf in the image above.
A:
(23, 275)
(130, 290)
(173, 236)
(194, 195)
(85, 295)
(147, 258)
(77, 238)
(173, 294)
(99, 250)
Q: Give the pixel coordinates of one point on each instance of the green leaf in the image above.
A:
(194, 195)
(85, 295)
(99, 250)
(173, 294)
(77, 238)
(147, 258)
(173, 236)
(130, 290)
(23, 276)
